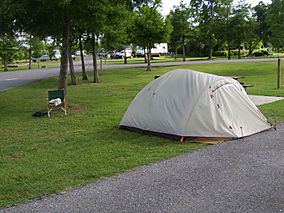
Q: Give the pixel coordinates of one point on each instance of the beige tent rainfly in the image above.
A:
(185, 103)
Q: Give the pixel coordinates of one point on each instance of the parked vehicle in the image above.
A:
(103, 54)
(122, 54)
(44, 58)
(115, 55)
(140, 52)
(156, 51)
(78, 53)
(41, 58)
(56, 56)
(159, 49)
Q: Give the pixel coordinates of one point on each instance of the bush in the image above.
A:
(236, 52)
(220, 53)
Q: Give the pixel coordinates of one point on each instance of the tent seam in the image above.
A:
(190, 115)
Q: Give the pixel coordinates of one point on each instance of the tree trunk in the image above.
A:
(5, 65)
(145, 55)
(253, 47)
(30, 53)
(239, 51)
(250, 49)
(96, 75)
(278, 73)
(183, 50)
(210, 49)
(71, 66)
(210, 31)
(227, 31)
(64, 58)
(149, 59)
(125, 58)
(175, 53)
(229, 51)
(84, 74)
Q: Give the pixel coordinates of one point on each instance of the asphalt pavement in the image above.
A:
(245, 175)
(11, 79)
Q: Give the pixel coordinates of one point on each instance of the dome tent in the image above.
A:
(186, 103)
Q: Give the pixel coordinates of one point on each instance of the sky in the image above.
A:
(168, 4)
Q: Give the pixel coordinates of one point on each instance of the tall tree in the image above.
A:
(275, 18)
(49, 18)
(258, 27)
(71, 65)
(80, 38)
(97, 18)
(6, 17)
(179, 18)
(224, 26)
(240, 18)
(149, 27)
(207, 14)
(8, 49)
(118, 32)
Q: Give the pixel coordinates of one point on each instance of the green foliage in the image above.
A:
(179, 18)
(51, 47)
(261, 13)
(168, 30)
(149, 26)
(8, 49)
(240, 15)
(220, 53)
(118, 30)
(276, 22)
(207, 14)
(6, 17)
(38, 47)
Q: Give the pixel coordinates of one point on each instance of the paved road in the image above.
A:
(235, 176)
(10, 80)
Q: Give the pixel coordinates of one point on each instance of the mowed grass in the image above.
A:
(25, 66)
(40, 156)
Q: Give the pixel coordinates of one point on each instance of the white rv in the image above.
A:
(159, 49)
(156, 51)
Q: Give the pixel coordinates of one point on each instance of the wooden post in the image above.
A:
(279, 75)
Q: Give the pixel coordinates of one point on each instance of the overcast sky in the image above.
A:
(168, 4)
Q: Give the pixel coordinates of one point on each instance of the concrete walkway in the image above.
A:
(259, 100)
(235, 176)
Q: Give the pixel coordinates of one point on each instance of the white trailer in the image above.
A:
(159, 49)
(156, 51)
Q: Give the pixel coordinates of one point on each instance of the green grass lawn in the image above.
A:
(39, 156)
(25, 66)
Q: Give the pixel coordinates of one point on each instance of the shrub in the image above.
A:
(220, 53)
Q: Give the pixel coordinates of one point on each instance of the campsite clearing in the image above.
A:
(40, 156)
